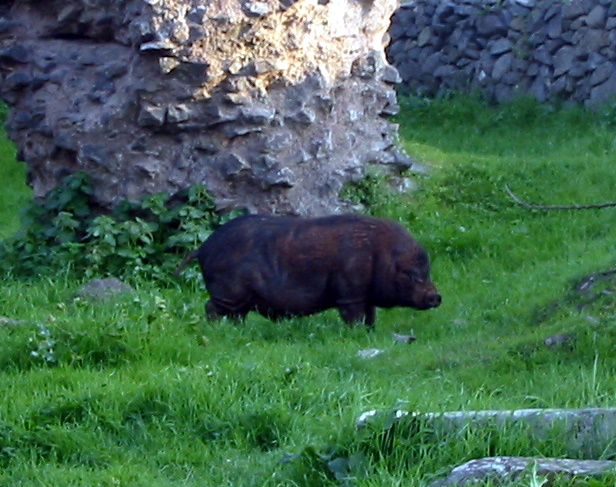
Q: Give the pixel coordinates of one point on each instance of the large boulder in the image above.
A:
(273, 105)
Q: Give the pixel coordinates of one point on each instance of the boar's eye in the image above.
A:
(414, 275)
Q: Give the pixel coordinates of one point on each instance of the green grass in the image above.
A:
(15, 194)
(143, 391)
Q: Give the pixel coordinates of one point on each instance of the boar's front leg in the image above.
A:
(370, 316)
(216, 308)
(357, 311)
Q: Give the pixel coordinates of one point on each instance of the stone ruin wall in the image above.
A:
(272, 104)
(549, 49)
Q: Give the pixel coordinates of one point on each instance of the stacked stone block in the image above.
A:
(549, 49)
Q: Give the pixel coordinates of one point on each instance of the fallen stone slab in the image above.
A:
(588, 433)
(507, 469)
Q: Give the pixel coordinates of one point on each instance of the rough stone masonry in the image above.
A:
(549, 49)
(272, 104)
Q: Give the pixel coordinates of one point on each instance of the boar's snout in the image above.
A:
(428, 299)
(433, 300)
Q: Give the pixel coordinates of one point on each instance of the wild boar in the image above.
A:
(285, 266)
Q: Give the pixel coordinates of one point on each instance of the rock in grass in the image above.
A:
(100, 289)
(403, 338)
(508, 469)
(370, 353)
(558, 341)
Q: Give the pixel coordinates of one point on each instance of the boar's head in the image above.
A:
(413, 286)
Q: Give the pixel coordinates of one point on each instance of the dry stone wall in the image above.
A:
(272, 104)
(550, 49)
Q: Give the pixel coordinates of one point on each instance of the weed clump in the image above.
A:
(136, 239)
(27, 346)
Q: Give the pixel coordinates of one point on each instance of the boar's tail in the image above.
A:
(192, 255)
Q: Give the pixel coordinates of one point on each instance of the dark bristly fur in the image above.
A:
(285, 266)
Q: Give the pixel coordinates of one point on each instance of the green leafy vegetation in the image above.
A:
(371, 194)
(140, 390)
(135, 240)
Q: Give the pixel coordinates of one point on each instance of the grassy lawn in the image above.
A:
(15, 194)
(142, 391)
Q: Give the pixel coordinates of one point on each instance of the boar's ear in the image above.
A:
(421, 257)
